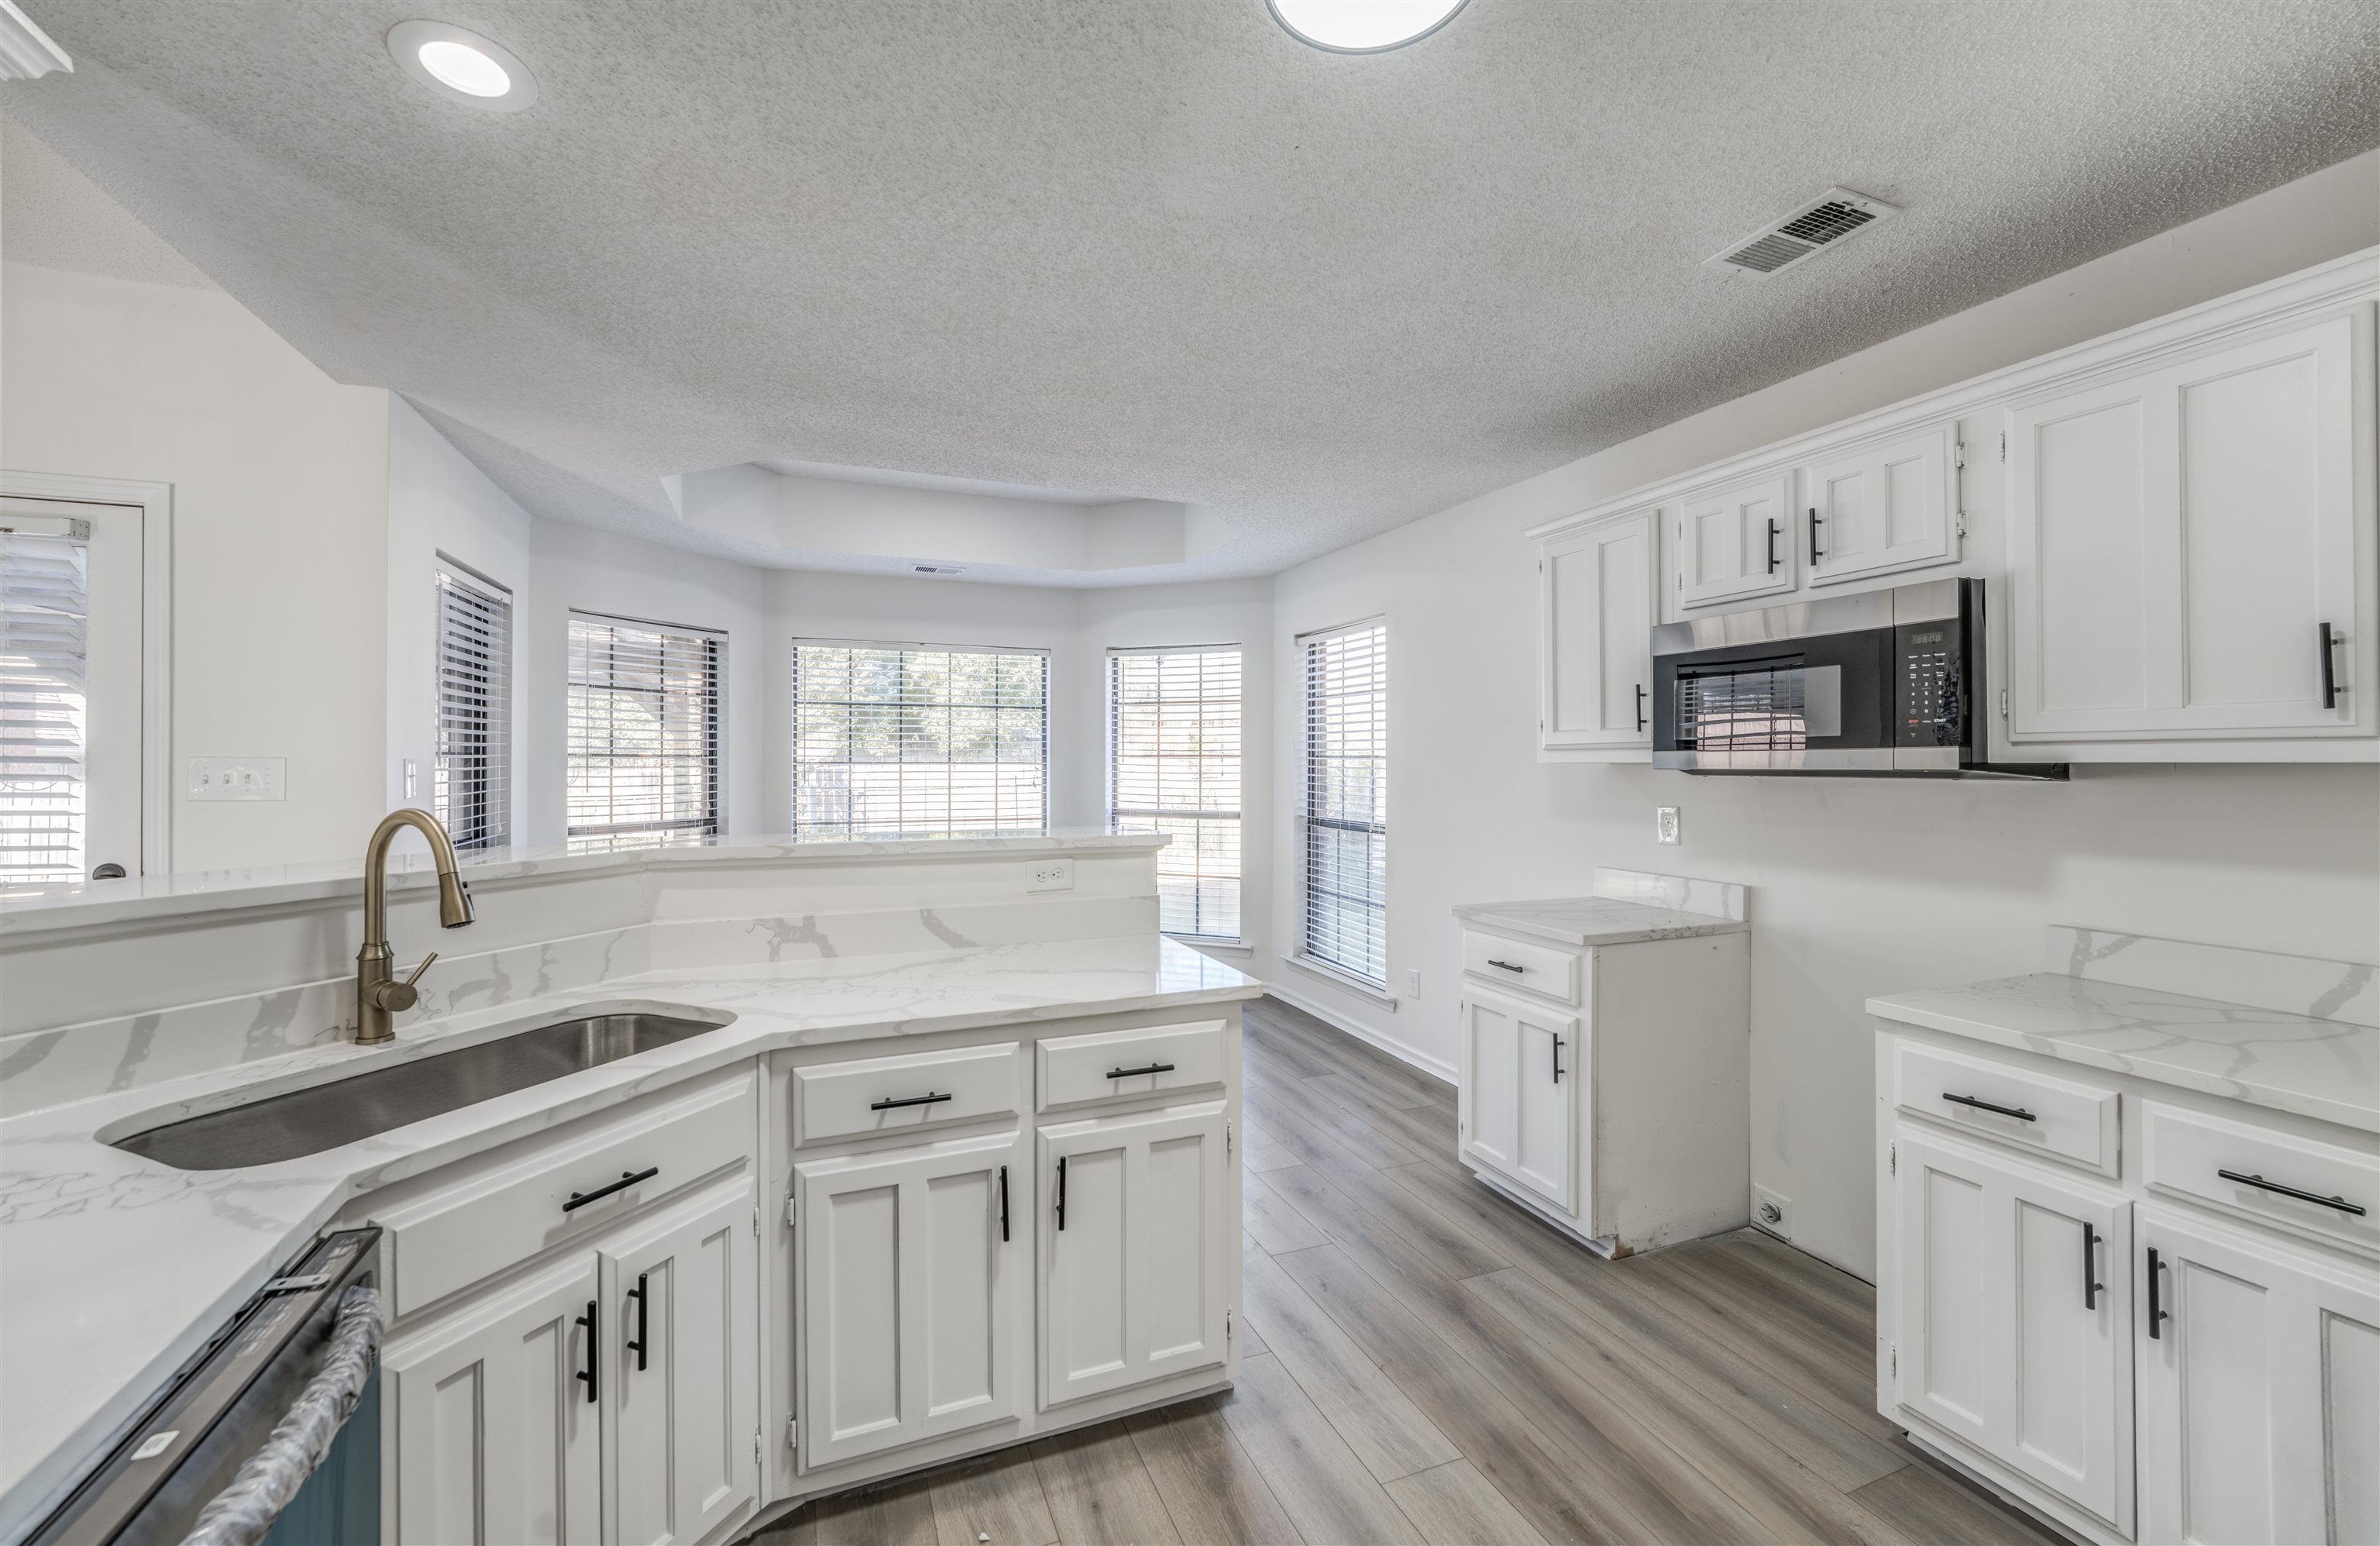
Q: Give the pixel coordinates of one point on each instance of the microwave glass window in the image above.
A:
(1769, 705)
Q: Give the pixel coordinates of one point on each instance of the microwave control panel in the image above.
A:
(1933, 688)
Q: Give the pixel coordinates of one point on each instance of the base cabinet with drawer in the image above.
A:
(2149, 1315)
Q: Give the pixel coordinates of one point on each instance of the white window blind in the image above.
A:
(44, 655)
(641, 751)
(915, 740)
(471, 775)
(1346, 813)
(1174, 766)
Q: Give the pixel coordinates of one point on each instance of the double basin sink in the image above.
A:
(323, 1116)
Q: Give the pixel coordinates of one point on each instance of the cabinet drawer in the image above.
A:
(1546, 969)
(2186, 1152)
(2038, 1113)
(513, 1210)
(1112, 1064)
(899, 1094)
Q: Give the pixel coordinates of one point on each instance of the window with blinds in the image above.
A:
(44, 656)
(1174, 766)
(471, 775)
(641, 748)
(1346, 814)
(915, 740)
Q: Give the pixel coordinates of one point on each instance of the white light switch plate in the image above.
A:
(240, 778)
(1665, 824)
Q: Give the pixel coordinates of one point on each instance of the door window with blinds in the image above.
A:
(919, 740)
(641, 748)
(1174, 766)
(1346, 813)
(471, 771)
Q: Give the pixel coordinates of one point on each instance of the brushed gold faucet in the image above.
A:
(378, 995)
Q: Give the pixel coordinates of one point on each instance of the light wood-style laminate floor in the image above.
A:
(1425, 1362)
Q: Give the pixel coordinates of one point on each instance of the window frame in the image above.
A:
(446, 569)
(1302, 953)
(1237, 815)
(628, 834)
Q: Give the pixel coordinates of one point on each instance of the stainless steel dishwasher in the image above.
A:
(270, 1434)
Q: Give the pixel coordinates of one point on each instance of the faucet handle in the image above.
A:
(419, 970)
(394, 996)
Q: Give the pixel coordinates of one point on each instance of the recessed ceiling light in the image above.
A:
(1362, 26)
(462, 66)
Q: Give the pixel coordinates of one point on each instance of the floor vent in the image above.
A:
(1808, 231)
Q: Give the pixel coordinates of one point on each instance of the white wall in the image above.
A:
(1859, 887)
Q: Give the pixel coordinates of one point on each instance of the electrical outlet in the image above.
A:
(1052, 874)
(412, 777)
(240, 778)
(1413, 982)
(1665, 824)
(1773, 1211)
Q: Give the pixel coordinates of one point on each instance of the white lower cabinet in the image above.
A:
(1135, 1249)
(497, 1422)
(684, 1397)
(1519, 1080)
(909, 1293)
(2014, 1298)
(2260, 1391)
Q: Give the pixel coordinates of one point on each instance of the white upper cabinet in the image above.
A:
(2188, 544)
(1881, 505)
(1595, 596)
(1738, 540)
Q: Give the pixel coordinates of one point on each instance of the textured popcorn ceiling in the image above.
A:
(1151, 249)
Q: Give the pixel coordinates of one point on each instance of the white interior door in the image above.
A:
(909, 1300)
(2260, 1393)
(1738, 540)
(1134, 1227)
(497, 1435)
(72, 664)
(1886, 504)
(1519, 1101)
(1597, 600)
(683, 1407)
(2015, 1290)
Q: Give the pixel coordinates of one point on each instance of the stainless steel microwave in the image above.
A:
(1883, 684)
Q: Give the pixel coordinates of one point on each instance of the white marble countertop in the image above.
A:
(28, 909)
(1584, 921)
(114, 1269)
(2328, 1069)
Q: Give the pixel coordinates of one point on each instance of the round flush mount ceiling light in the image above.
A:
(1362, 26)
(462, 66)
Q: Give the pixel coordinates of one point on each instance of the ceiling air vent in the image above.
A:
(1817, 225)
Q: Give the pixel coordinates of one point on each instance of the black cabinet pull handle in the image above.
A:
(2021, 1114)
(1816, 551)
(929, 1099)
(637, 1294)
(1132, 1073)
(1557, 1060)
(590, 1320)
(1508, 966)
(2155, 1314)
(2091, 1286)
(1061, 1192)
(1640, 708)
(627, 1178)
(2339, 1202)
(2329, 671)
(1775, 531)
(1004, 1205)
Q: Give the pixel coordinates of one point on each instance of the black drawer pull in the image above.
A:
(930, 1098)
(1133, 1072)
(1508, 966)
(627, 1178)
(2022, 1115)
(637, 1294)
(2339, 1202)
(589, 1321)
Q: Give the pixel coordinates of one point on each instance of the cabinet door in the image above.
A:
(2178, 539)
(1737, 539)
(1596, 601)
(1886, 504)
(2011, 1335)
(2260, 1393)
(1518, 1100)
(909, 1308)
(1133, 1253)
(681, 1403)
(497, 1435)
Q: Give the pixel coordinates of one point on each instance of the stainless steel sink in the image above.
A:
(326, 1116)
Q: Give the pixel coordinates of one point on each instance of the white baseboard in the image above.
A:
(1435, 1067)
